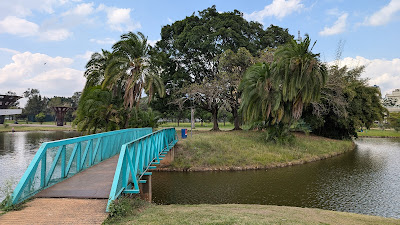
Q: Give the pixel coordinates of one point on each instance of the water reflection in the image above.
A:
(363, 181)
(17, 150)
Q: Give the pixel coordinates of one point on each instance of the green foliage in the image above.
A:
(141, 118)
(40, 117)
(115, 82)
(347, 104)
(205, 47)
(279, 134)
(7, 190)
(394, 121)
(97, 110)
(36, 103)
(123, 207)
(127, 70)
(274, 94)
(5, 125)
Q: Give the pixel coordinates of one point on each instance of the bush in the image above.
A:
(278, 133)
(124, 206)
(140, 118)
(40, 117)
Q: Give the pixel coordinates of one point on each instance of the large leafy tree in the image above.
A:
(36, 103)
(232, 66)
(192, 45)
(347, 103)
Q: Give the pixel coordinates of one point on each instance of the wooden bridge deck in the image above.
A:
(94, 182)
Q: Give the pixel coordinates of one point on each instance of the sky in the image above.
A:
(45, 44)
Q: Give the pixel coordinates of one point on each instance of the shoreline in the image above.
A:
(265, 167)
(377, 137)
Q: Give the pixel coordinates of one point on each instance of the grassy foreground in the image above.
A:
(379, 133)
(244, 214)
(235, 150)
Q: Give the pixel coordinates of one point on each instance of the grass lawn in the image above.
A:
(247, 149)
(244, 214)
(37, 128)
(198, 126)
(379, 133)
(10, 122)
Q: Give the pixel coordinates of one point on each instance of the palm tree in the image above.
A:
(301, 74)
(261, 98)
(95, 68)
(97, 111)
(278, 91)
(128, 72)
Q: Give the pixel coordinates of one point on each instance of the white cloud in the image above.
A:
(12, 51)
(105, 41)
(51, 75)
(278, 9)
(23, 8)
(55, 35)
(86, 56)
(119, 19)
(18, 26)
(384, 15)
(21, 27)
(83, 9)
(381, 72)
(337, 28)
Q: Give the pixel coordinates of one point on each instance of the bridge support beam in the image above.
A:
(169, 158)
(145, 189)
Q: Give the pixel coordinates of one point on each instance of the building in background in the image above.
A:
(6, 102)
(392, 101)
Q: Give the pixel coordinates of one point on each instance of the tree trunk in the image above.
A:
(215, 118)
(236, 119)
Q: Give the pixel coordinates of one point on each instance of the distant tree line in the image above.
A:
(38, 107)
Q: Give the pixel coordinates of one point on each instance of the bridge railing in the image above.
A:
(58, 160)
(136, 157)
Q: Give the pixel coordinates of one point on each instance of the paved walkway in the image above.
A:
(58, 211)
(80, 199)
(94, 182)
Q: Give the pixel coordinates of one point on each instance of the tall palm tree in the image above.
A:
(97, 111)
(127, 70)
(301, 74)
(96, 67)
(261, 98)
(278, 91)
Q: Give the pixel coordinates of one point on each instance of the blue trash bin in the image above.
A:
(184, 133)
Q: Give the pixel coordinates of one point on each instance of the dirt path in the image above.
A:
(58, 211)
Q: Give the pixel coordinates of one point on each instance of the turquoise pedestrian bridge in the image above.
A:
(104, 165)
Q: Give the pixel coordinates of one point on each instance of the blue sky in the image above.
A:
(45, 44)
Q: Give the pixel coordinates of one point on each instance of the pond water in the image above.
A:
(18, 149)
(365, 181)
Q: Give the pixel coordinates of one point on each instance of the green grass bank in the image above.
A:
(241, 150)
(379, 133)
(243, 214)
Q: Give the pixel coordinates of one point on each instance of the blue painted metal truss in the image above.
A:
(57, 160)
(136, 158)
